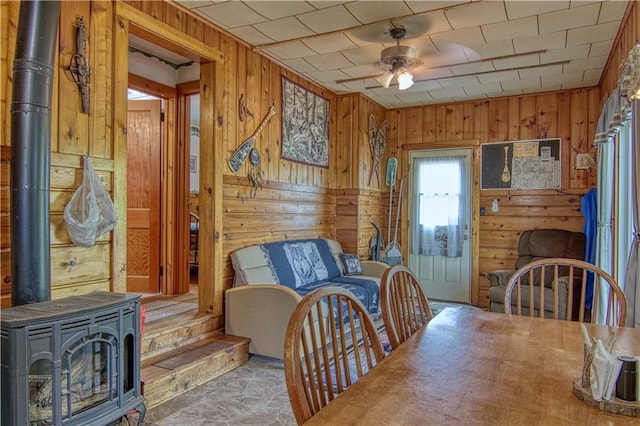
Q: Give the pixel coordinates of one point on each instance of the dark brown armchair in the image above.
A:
(534, 245)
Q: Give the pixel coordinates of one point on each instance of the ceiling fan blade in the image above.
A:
(365, 77)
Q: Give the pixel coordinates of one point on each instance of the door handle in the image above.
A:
(466, 237)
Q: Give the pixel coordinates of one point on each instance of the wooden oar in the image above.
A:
(240, 154)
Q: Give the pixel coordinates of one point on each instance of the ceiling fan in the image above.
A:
(401, 59)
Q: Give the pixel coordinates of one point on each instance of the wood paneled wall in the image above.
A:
(569, 115)
(297, 200)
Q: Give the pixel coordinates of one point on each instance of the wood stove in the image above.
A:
(73, 361)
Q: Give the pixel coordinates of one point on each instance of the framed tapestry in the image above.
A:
(532, 164)
(305, 125)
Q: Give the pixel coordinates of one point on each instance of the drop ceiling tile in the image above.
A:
(540, 71)
(482, 89)
(592, 34)
(469, 80)
(596, 62)
(498, 76)
(231, 14)
(327, 20)
(251, 35)
(480, 51)
(299, 65)
(425, 85)
(520, 9)
(612, 11)
(516, 62)
(479, 67)
(406, 96)
(601, 48)
(327, 76)
(364, 55)
(447, 93)
(571, 18)
(591, 75)
(426, 73)
(329, 43)
(565, 78)
(382, 10)
(530, 83)
(557, 55)
(445, 58)
(428, 23)
(279, 9)
(457, 38)
(424, 6)
(329, 61)
(284, 29)
(476, 13)
(423, 46)
(578, 85)
(289, 50)
(524, 27)
(363, 70)
(557, 40)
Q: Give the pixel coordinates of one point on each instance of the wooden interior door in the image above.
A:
(144, 145)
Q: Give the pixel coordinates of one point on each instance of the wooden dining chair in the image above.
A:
(330, 343)
(563, 282)
(405, 307)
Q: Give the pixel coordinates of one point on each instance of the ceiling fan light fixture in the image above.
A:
(405, 79)
(385, 79)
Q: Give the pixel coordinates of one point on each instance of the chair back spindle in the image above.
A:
(530, 292)
(405, 307)
(330, 343)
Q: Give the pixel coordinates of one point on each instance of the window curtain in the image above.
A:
(632, 276)
(616, 113)
(439, 206)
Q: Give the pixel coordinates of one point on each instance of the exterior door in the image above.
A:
(144, 144)
(440, 191)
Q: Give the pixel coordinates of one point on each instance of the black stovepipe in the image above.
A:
(30, 151)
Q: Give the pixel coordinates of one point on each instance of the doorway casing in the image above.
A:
(130, 20)
(475, 203)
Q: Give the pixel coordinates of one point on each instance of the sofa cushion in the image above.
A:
(298, 263)
(351, 264)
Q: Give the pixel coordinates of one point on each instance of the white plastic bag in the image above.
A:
(90, 213)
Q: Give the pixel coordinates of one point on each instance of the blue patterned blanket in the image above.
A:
(306, 265)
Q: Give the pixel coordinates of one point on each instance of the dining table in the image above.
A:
(473, 367)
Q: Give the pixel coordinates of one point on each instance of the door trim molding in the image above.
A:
(128, 19)
(475, 203)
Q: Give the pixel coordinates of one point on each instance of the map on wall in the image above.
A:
(533, 164)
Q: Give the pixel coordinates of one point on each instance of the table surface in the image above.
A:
(474, 367)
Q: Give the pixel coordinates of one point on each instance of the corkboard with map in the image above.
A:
(532, 164)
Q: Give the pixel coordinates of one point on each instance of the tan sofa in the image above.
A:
(259, 306)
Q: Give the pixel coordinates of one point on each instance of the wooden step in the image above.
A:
(174, 373)
(172, 332)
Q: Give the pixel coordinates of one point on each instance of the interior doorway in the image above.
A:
(440, 209)
(170, 256)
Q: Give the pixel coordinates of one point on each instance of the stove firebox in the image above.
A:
(73, 361)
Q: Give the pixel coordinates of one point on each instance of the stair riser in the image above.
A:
(183, 379)
(157, 343)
